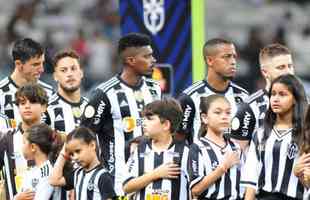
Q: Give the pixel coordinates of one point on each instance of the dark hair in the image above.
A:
(297, 90)
(82, 133)
(25, 49)
(273, 50)
(208, 47)
(63, 54)
(205, 103)
(33, 92)
(47, 140)
(133, 40)
(166, 109)
(305, 138)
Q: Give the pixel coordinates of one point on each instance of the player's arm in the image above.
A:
(96, 111)
(57, 177)
(185, 131)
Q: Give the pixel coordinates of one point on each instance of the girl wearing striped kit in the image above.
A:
(214, 159)
(268, 173)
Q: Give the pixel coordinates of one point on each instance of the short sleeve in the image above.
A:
(195, 165)
(132, 167)
(106, 187)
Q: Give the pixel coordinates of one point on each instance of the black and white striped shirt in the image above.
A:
(114, 113)
(63, 115)
(204, 157)
(269, 167)
(145, 159)
(91, 185)
(36, 179)
(190, 102)
(7, 97)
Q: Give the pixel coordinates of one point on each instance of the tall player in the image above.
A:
(220, 57)
(65, 108)
(28, 57)
(114, 110)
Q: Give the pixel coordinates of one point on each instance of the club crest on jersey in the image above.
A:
(90, 187)
(129, 124)
(292, 150)
(153, 15)
(76, 111)
(214, 165)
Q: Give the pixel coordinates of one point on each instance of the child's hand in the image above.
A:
(302, 163)
(25, 195)
(231, 158)
(167, 170)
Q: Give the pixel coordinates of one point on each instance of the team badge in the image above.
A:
(214, 165)
(89, 111)
(129, 124)
(90, 187)
(292, 150)
(153, 15)
(76, 111)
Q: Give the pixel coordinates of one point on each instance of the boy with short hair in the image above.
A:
(31, 101)
(158, 167)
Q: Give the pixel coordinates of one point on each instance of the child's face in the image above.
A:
(218, 116)
(152, 125)
(81, 152)
(30, 112)
(281, 99)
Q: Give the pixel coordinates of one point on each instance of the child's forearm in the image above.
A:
(208, 180)
(139, 183)
(56, 178)
(249, 194)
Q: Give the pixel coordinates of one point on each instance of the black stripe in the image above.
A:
(9, 102)
(213, 159)
(81, 186)
(261, 179)
(59, 124)
(287, 174)
(300, 190)
(141, 150)
(125, 112)
(158, 160)
(275, 163)
(76, 178)
(175, 183)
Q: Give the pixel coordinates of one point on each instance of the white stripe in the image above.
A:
(8, 175)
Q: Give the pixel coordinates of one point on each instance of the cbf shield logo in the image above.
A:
(292, 151)
(153, 15)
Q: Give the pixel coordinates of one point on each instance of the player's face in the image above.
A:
(81, 152)
(144, 61)
(218, 117)
(32, 69)
(30, 112)
(223, 62)
(152, 126)
(281, 100)
(277, 66)
(68, 74)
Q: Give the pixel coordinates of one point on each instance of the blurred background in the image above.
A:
(91, 27)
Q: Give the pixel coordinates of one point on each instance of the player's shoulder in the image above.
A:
(256, 96)
(106, 86)
(238, 88)
(194, 87)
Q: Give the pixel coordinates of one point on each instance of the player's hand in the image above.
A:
(25, 195)
(231, 158)
(167, 170)
(302, 164)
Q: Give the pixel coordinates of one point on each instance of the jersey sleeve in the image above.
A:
(97, 111)
(46, 118)
(44, 190)
(195, 165)
(251, 169)
(106, 187)
(243, 123)
(132, 167)
(188, 107)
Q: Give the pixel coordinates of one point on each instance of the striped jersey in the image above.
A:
(190, 102)
(269, 167)
(114, 113)
(145, 159)
(204, 157)
(95, 184)
(63, 115)
(11, 157)
(8, 88)
(36, 179)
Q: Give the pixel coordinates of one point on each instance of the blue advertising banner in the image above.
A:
(168, 23)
